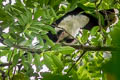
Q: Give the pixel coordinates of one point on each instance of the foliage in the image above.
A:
(24, 42)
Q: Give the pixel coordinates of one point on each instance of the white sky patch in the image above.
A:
(13, 2)
(1, 44)
(1, 21)
(6, 30)
(41, 58)
(90, 37)
(45, 69)
(108, 29)
(66, 67)
(5, 2)
(34, 67)
(6, 67)
(39, 18)
(32, 78)
(16, 20)
(12, 48)
(35, 41)
(3, 59)
(32, 16)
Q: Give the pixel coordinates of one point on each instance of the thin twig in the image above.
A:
(98, 4)
(97, 12)
(3, 74)
(76, 61)
(99, 18)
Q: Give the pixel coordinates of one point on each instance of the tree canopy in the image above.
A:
(30, 54)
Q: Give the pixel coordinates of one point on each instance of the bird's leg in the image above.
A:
(62, 36)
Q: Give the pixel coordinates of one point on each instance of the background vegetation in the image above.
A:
(23, 28)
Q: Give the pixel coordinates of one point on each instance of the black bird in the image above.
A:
(69, 25)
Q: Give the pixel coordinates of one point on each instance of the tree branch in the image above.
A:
(93, 48)
(79, 47)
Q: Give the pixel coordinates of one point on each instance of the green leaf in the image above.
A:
(113, 65)
(37, 62)
(108, 40)
(66, 50)
(20, 40)
(57, 62)
(25, 63)
(20, 76)
(50, 42)
(15, 59)
(53, 12)
(40, 40)
(48, 28)
(85, 36)
(36, 28)
(27, 35)
(30, 57)
(56, 47)
(115, 37)
(29, 16)
(46, 74)
(93, 1)
(9, 55)
(40, 27)
(94, 30)
(5, 35)
(38, 13)
(22, 20)
(48, 61)
(4, 48)
(13, 35)
(8, 42)
(0, 1)
(4, 53)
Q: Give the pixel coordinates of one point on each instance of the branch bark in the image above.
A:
(92, 48)
(79, 47)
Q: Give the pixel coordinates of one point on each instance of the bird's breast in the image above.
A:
(73, 23)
